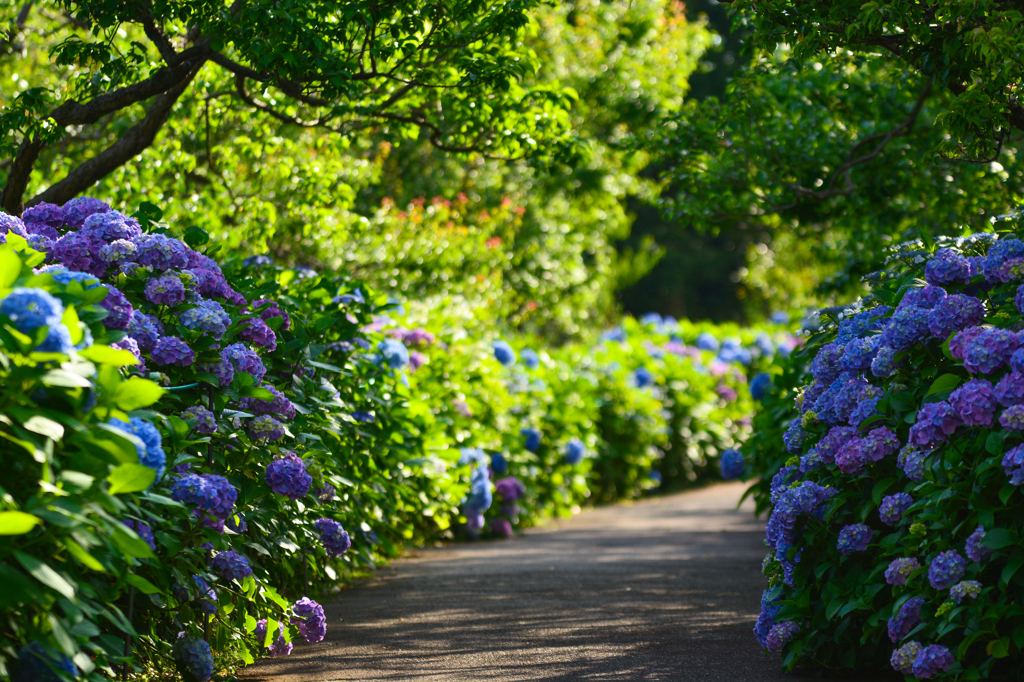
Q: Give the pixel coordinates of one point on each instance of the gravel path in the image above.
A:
(664, 589)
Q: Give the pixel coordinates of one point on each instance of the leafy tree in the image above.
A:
(853, 137)
(451, 69)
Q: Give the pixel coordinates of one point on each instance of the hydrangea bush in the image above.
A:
(891, 454)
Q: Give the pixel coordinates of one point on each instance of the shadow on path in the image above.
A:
(665, 589)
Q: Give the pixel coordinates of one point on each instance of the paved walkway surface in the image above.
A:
(664, 589)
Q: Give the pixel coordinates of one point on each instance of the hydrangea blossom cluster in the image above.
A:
(974, 548)
(266, 428)
(311, 619)
(575, 451)
(208, 492)
(946, 569)
(151, 452)
(905, 619)
(900, 569)
(143, 531)
(732, 464)
(334, 538)
(893, 507)
(194, 658)
(278, 405)
(854, 538)
(37, 663)
(287, 476)
(504, 354)
(206, 421)
(531, 438)
(231, 565)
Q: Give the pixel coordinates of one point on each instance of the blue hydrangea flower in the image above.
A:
(504, 354)
(905, 619)
(1002, 251)
(926, 297)
(208, 492)
(932, 660)
(208, 317)
(794, 437)
(193, 658)
(900, 569)
(335, 538)
(280, 406)
(893, 507)
(231, 565)
(615, 335)
(858, 354)
(854, 538)
(706, 341)
(831, 443)
(946, 569)
(1013, 465)
(394, 353)
(533, 437)
(530, 358)
(868, 407)
(1010, 389)
(908, 326)
(145, 329)
(575, 451)
(257, 261)
(165, 290)
(78, 209)
(766, 619)
(287, 476)
(243, 360)
(44, 219)
(143, 531)
(499, 465)
(780, 634)
(989, 350)
(936, 422)
(256, 332)
(642, 377)
(119, 310)
(151, 454)
(312, 621)
(760, 386)
(732, 464)
(38, 663)
(826, 364)
(29, 309)
(885, 363)
(161, 253)
(170, 350)
(912, 461)
(903, 658)
(955, 313)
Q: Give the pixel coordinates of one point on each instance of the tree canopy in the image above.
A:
(96, 80)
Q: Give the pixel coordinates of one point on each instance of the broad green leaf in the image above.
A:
(130, 478)
(17, 523)
(10, 266)
(44, 427)
(944, 384)
(46, 575)
(997, 538)
(142, 585)
(105, 355)
(136, 393)
(83, 557)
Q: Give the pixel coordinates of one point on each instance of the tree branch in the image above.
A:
(138, 138)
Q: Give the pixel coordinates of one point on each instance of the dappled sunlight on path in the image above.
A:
(664, 589)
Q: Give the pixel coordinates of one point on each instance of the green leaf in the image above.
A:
(196, 236)
(105, 355)
(46, 575)
(62, 377)
(44, 427)
(142, 585)
(997, 538)
(944, 384)
(17, 523)
(1011, 568)
(994, 442)
(10, 266)
(136, 393)
(129, 543)
(83, 557)
(130, 478)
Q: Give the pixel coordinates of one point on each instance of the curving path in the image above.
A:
(664, 589)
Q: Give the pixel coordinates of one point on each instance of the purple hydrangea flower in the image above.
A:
(256, 332)
(287, 476)
(145, 329)
(207, 492)
(850, 457)
(885, 364)
(280, 647)
(279, 405)
(11, 224)
(946, 569)
(170, 350)
(129, 344)
(260, 633)
(510, 489)
(810, 461)
(79, 251)
(900, 569)
(1013, 465)
(1010, 389)
(959, 343)
(208, 317)
(161, 253)
(266, 428)
(833, 441)
(119, 309)
(206, 422)
(908, 326)
(780, 634)
(44, 219)
(143, 531)
(947, 267)
(905, 619)
(932, 660)
(989, 350)
(231, 565)
(118, 252)
(272, 310)
(825, 366)
(879, 444)
(974, 549)
(858, 354)
(965, 589)
(893, 507)
(999, 255)
(109, 227)
(335, 538)
(903, 658)
(244, 360)
(312, 621)
(165, 290)
(926, 297)
(954, 314)
(912, 462)
(975, 402)
(854, 538)
(766, 619)
(40, 243)
(78, 209)
(1012, 418)
(935, 423)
